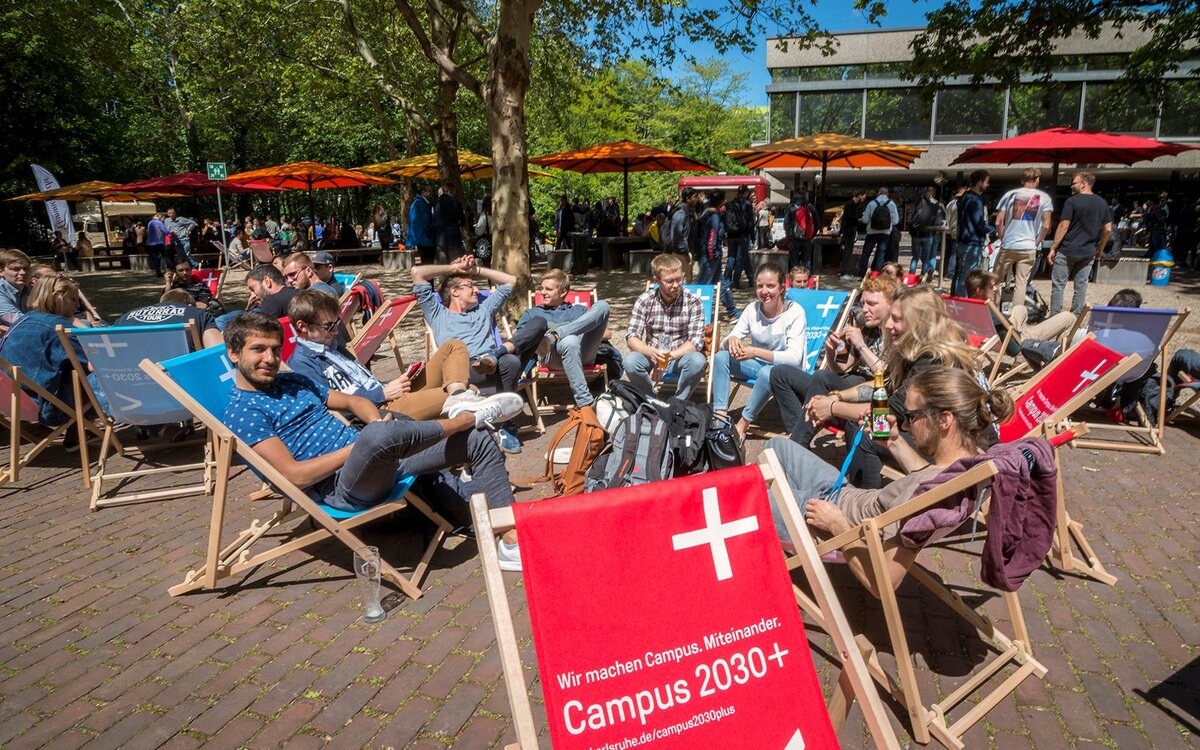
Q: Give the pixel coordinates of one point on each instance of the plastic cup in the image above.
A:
(366, 569)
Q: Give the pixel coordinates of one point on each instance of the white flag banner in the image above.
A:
(60, 214)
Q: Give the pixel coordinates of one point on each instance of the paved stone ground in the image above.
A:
(95, 653)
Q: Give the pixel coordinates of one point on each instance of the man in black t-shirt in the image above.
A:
(1079, 241)
(269, 290)
(181, 278)
(175, 306)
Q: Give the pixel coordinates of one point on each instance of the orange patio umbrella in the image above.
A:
(309, 175)
(826, 150)
(621, 156)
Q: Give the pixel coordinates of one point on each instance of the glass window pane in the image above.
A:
(839, 112)
(787, 75)
(881, 71)
(1037, 106)
(783, 116)
(830, 73)
(1115, 111)
(898, 115)
(1181, 103)
(969, 113)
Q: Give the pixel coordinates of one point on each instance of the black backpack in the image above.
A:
(695, 236)
(734, 217)
(639, 452)
(922, 216)
(881, 217)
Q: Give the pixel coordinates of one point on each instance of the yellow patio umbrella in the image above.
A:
(471, 166)
(827, 150)
(99, 191)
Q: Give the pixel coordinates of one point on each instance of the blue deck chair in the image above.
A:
(824, 311)
(133, 399)
(1146, 333)
(347, 280)
(201, 382)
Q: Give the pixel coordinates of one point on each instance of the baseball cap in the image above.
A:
(323, 258)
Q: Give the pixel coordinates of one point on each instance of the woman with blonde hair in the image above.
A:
(919, 333)
(33, 344)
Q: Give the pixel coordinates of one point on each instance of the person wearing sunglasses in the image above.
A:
(948, 415)
(441, 384)
(299, 273)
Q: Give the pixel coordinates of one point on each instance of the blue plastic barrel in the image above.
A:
(1161, 264)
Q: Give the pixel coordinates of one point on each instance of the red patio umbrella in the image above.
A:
(196, 184)
(1057, 145)
(309, 175)
(621, 156)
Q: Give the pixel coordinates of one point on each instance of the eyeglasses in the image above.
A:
(464, 283)
(291, 275)
(915, 414)
(326, 327)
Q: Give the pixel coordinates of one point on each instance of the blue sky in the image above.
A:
(835, 16)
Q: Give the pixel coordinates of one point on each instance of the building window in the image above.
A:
(1181, 102)
(1113, 110)
(1037, 106)
(969, 114)
(897, 115)
(783, 116)
(833, 112)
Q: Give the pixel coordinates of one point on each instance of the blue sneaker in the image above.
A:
(508, 441)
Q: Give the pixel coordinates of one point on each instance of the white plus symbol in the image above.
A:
(715, 533)
(107, 345)
(383, 318)
(1088, 377)
(828, 307)
(1108, 322)
(229, 371)
(778, 655)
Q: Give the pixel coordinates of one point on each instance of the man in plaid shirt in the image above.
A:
(666, 330)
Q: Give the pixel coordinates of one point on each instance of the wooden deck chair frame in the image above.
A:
(1067, 531)
(19, 401)
(854, 680)
(1186, 403)
(101, 481)
(347, 280)
(1149, 433)
(710, 344)
(223, 562)
(544, 375)
(260, 251)
(227, 264)
(364, 355)
(502, 331)
(213, 278)
(348, 307)
(933, 720)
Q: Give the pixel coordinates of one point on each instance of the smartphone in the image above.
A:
(414, 370)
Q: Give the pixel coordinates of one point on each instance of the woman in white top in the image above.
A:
(764, 222)
(769, 332)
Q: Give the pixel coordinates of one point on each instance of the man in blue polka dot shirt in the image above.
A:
(286, 418)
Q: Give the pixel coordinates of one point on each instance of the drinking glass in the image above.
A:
(366, 569)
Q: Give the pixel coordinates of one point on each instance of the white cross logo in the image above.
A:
(107, 344)
(1108, 323)
(383, 318)
(828, 307)
(1087, 377)
(714, 534)
(229, 371)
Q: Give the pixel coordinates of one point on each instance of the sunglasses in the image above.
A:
(914, 415)
(291, 275)
(326, 327)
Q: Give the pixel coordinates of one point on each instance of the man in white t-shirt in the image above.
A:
(1022, 221)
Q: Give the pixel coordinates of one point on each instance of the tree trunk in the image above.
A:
(407, 186)
(445, 134)
(504, 98)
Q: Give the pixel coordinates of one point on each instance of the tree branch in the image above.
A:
(435, 54)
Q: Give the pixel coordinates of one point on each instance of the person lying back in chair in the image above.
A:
(286, 419)
(949, 416)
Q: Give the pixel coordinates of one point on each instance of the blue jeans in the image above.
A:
(689, 368)
(967, 257)
(401, 447)
(877, 243)
(223, 320)
(925, 253)
(807, 475)
(738, 262)
(725, 366)
(578, 342)
(710, 273)
(1063, 270)
(161, 258)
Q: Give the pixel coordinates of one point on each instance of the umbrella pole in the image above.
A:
(312, 211)
(625, 223)
(223, 263)
(1054, 180)
(824, 184)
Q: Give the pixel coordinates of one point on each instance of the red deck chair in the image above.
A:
(381, 326)
(543, 374)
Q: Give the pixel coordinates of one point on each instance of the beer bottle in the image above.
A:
(880, 428)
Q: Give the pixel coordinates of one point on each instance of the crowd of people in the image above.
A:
(429, 422)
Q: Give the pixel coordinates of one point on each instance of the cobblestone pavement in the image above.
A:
(95, 653)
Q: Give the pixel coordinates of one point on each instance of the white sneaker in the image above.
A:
(490, 411)
(465, 396)
(510, 556)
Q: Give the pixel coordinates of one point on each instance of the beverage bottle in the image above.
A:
(880, 428)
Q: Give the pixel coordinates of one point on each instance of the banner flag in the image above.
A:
(663, 615)
(59, 213)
